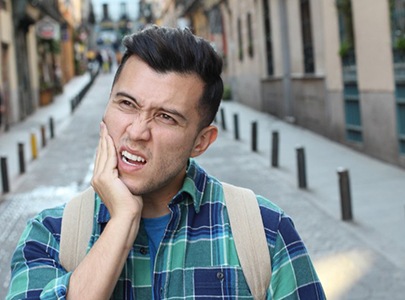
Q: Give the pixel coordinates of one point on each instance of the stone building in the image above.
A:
(335, 67)
(35, 35)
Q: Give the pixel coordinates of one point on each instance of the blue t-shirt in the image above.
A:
(155, 229)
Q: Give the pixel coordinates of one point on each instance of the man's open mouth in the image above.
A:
(132, 159)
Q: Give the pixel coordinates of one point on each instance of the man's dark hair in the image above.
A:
(178, 50)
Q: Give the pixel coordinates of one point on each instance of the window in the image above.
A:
(240, 41)
(351, 94)
(309, 63)
(268, 39)
(346, 33)
(397, 14)
(250, 35)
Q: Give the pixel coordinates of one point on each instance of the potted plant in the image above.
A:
(45, 93)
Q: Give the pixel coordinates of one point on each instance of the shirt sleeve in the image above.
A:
(293, 274)
(35, 269)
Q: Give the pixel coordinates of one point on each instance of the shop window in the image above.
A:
(268, 37)
(308, 48)
(250, 35)
(240, 40)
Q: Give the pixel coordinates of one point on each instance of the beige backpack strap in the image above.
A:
(77, 227)
(249, 236)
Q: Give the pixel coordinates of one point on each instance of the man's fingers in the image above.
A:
(102, 155)
(111, 161)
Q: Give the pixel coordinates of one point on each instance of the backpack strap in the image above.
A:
(77, 227)
(250, 239)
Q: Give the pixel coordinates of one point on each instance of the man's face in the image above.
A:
(153, 121)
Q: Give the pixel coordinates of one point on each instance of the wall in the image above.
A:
(247, 88)
(6, 37)
(375, 78)
(309, 103)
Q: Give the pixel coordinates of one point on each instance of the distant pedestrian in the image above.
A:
(99, 59)
(118, 57)
(161, 226)
(110, 62)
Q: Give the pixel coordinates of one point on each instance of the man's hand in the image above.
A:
(97, 275)
(106, 182)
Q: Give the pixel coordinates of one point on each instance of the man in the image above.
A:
(161, 228)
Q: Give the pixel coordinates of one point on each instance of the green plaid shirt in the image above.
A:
(196, 258)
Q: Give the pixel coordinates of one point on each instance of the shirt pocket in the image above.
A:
(224, 282)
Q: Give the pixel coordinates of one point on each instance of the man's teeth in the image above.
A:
(128, 156)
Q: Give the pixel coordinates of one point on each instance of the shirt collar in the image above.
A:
(194, 185)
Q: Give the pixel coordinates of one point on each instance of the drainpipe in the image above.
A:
(285, 50)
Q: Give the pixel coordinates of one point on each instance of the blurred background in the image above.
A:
(335, 67)
(326, 73)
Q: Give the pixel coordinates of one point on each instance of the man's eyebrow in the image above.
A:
(174, 112)
(126, 95)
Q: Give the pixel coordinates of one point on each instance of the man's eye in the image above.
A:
(166, 118)
(127, 103)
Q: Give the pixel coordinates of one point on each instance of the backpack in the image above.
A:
(244, 216)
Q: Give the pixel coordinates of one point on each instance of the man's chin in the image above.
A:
(132, 186)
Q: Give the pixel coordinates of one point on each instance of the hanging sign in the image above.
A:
(48, 29)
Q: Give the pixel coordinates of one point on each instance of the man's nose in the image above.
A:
(140, 128)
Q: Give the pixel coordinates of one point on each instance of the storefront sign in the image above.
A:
(48, 29)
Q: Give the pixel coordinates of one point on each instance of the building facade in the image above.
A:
(336, 67)
(35, 36)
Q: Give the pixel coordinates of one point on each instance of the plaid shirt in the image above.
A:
(196, 259)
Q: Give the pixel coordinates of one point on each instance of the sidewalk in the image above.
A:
(377, 188)
(59, 110)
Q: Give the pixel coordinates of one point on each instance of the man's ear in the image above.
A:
(205, 138)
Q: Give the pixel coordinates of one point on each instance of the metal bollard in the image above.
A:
(34, 148)
(43, 136)
(51, 127)
(236, 126)
(302, 176)
(4, 175)
(345, 194)
(274, 148)
(21, 158)
(73, 104)
(223, 122)
(254, 136)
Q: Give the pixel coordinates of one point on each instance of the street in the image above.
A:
(354, 260)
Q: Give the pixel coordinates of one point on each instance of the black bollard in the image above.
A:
(254, 136)
(21, 158)
(345, 194)
(302, 176)
(4, 175)
(43, 136)
(223, 118)
(236, 125)
(51, 127)
(274, 148)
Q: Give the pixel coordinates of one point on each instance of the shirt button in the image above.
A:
(143, 251)
(220, 275)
